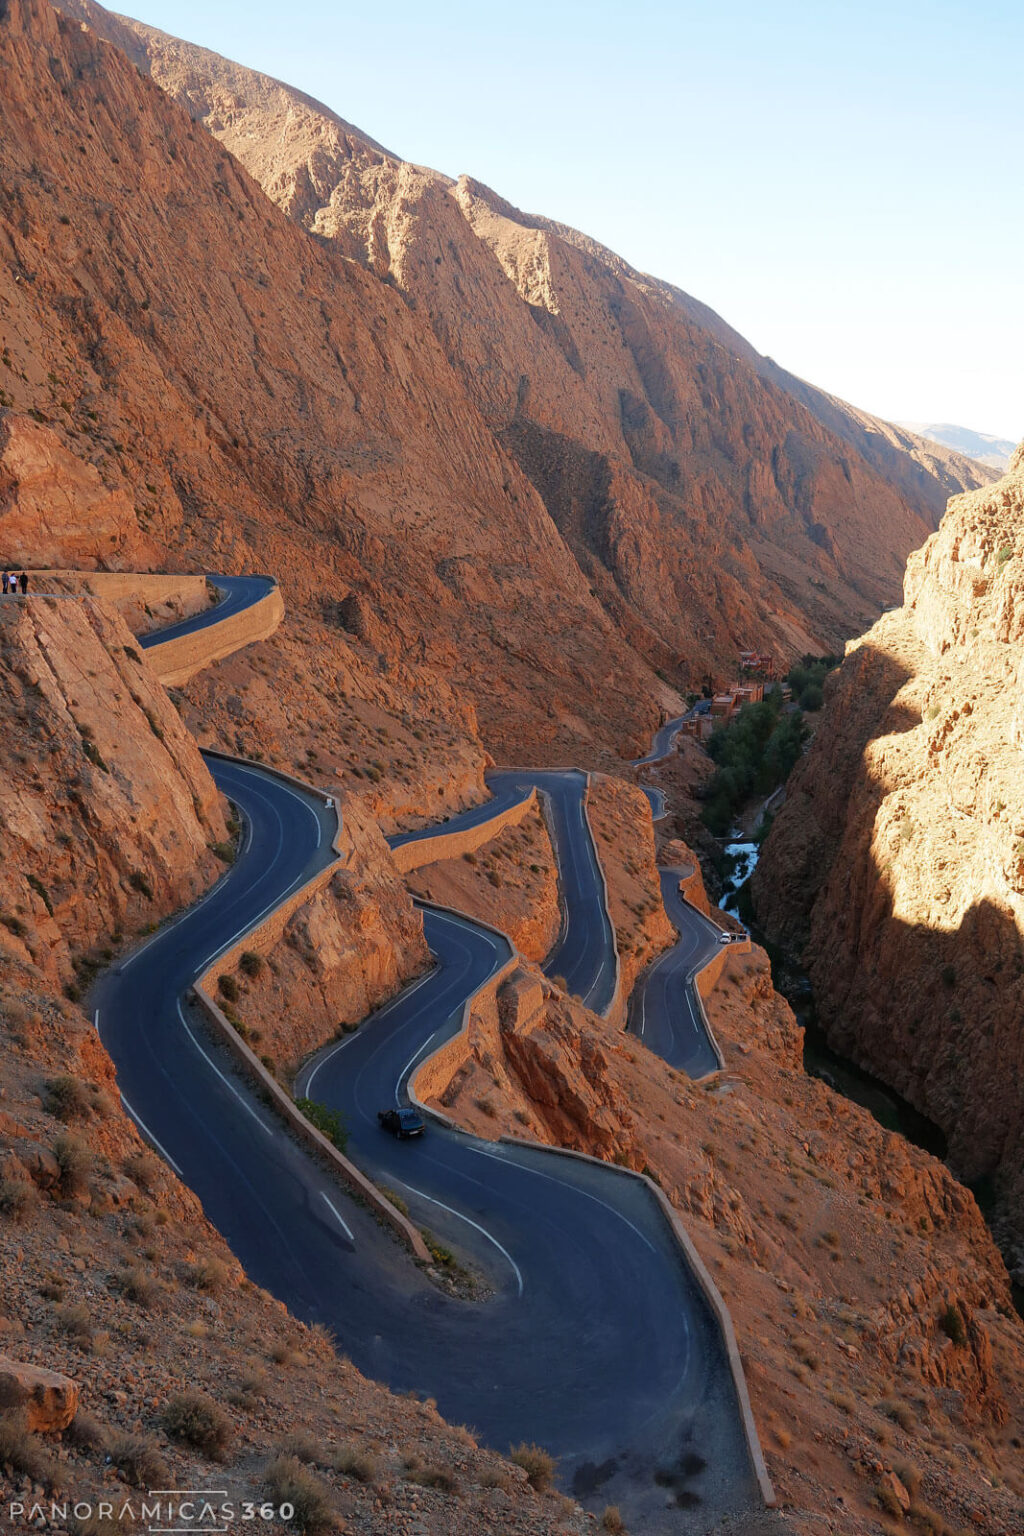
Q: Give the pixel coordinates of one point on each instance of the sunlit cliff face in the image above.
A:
(898, 861)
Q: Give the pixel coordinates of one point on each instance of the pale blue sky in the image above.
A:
(840, 181)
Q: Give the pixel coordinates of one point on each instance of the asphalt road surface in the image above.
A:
(656, 800)
(584, 952)
(240, 592)
(663, 1008)
(664, 740)
(594, 1339)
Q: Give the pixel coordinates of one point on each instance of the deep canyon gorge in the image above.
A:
(518, 500)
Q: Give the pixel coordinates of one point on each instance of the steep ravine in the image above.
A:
(896, 867)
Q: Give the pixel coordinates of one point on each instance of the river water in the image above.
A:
(820, 1060)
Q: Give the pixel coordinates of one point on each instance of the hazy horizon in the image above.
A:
(836, 187)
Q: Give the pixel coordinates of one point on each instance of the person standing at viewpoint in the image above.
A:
(23, 579)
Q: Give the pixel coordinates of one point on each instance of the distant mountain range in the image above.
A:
(981, 446)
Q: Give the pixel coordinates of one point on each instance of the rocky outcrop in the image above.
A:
(620, 819)
(896, 866)
(264, 403)
(56, 510)
(107, 811)
(339, 955)
(872, 1308)
(509, 881)
(47, 1400)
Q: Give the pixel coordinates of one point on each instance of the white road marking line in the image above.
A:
(469, 1222)
(96, 1021)
(414, 1057)
(565, 1184)
(337, 1215)
(372, 1019)
(225, 1080)
(150, 1137)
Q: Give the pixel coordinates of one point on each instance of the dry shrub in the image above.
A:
(87, 1433)
(139, 1458)
(209, 1275)
(538, 1465)
(143, 1168)
(360, 1465)
(429, 1475)
(75, 1320)
(303, 1447)
(69, 1098)
(18, 1199)
(21, 1451)
(138, 1286)
(200, 1422)
(288, 1482)
(612, 1521)
(900, 1412)
(75, 1161)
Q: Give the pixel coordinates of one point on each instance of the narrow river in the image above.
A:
(820, 1060)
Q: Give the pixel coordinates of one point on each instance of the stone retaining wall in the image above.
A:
(175, 661)
(131, 592)
(452, 845)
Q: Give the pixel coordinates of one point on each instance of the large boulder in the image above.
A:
(48, 1400)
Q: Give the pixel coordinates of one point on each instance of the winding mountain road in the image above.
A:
(664, 1009)
(594, 1339)
(664, 740)
(238, 594)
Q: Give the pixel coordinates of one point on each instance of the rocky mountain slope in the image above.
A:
(896, 867)
(251, 399)
(91, 748)
(710, 499)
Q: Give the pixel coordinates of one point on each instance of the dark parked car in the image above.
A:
(402, 1123)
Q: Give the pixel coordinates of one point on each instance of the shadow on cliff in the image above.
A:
(933, 1012)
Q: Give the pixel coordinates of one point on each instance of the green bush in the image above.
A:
(138, 882)
(328, 1121)
(228, 987)
(812, 697)
(811, 671)
(251, 963)
(754, 753)
(952, 1324)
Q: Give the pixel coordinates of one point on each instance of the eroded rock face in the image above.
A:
(56, 510)
(896, 865)
(107, 810)
(342, 954)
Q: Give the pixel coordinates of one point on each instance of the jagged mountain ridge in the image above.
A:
(983, 447)
(710, 500)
